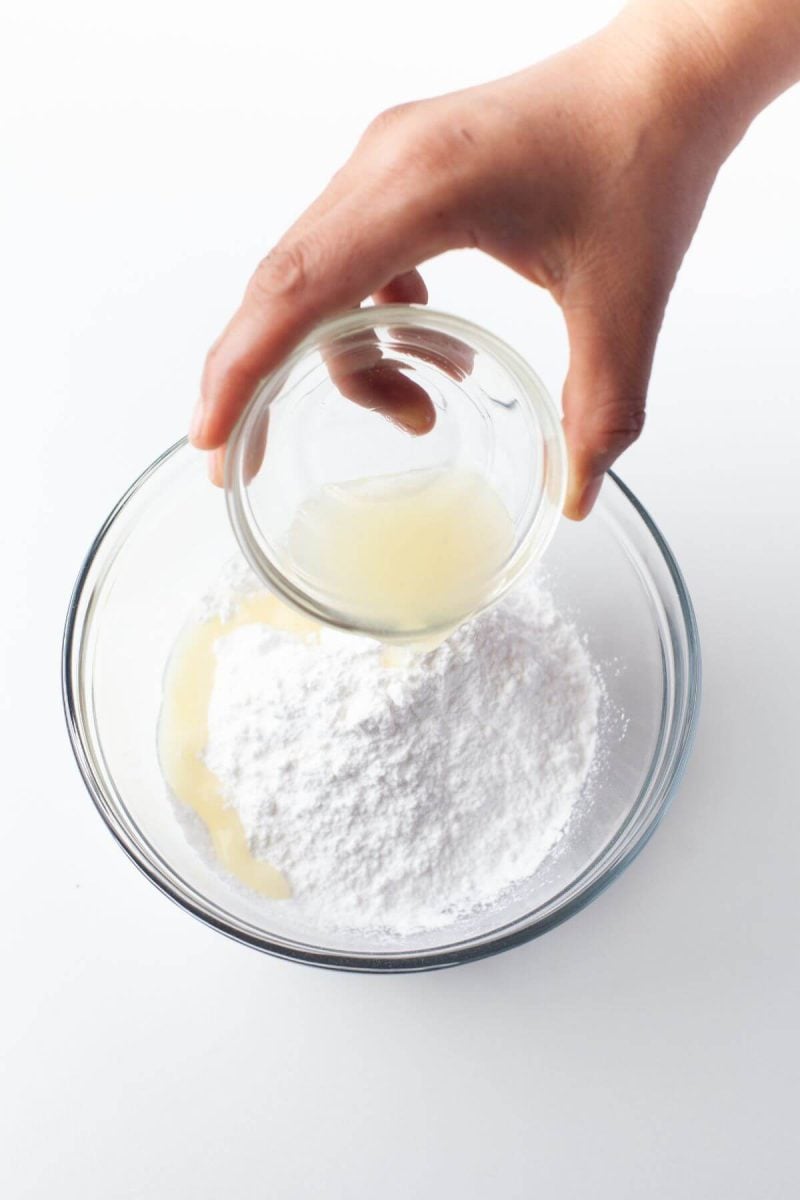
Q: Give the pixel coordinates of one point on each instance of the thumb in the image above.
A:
(610, 358)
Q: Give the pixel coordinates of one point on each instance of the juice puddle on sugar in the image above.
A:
(183, 732)
(403, 553)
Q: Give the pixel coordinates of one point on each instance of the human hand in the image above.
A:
(586, 174)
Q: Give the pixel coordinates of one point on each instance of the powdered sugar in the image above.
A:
(235, 581)
(400, 797)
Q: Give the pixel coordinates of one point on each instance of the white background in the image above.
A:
(151, 153)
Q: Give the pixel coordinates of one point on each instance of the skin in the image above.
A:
(587, 174)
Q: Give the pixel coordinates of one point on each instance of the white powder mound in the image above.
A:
(235, 582)
(399, 798)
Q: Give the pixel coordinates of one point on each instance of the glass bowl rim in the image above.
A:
(642, 821)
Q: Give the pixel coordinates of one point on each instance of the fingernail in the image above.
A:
(198, 421)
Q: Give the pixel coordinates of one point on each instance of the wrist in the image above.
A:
(713, 65)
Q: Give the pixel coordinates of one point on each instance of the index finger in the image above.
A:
(322, 266)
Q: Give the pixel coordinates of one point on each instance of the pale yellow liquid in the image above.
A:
(183, 732)
(403, 554)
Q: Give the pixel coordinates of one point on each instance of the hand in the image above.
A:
(586, 174)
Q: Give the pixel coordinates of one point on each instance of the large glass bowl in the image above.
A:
(160, 549)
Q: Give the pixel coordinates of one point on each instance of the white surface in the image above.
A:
(647, 1048)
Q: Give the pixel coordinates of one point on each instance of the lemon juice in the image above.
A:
(403, 554)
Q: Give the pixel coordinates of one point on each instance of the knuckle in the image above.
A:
(388, 121)
(412, 138)
(420, 156)
(282, 275)
(617, 422)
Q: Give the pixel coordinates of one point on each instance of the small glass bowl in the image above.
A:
(456, 397)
